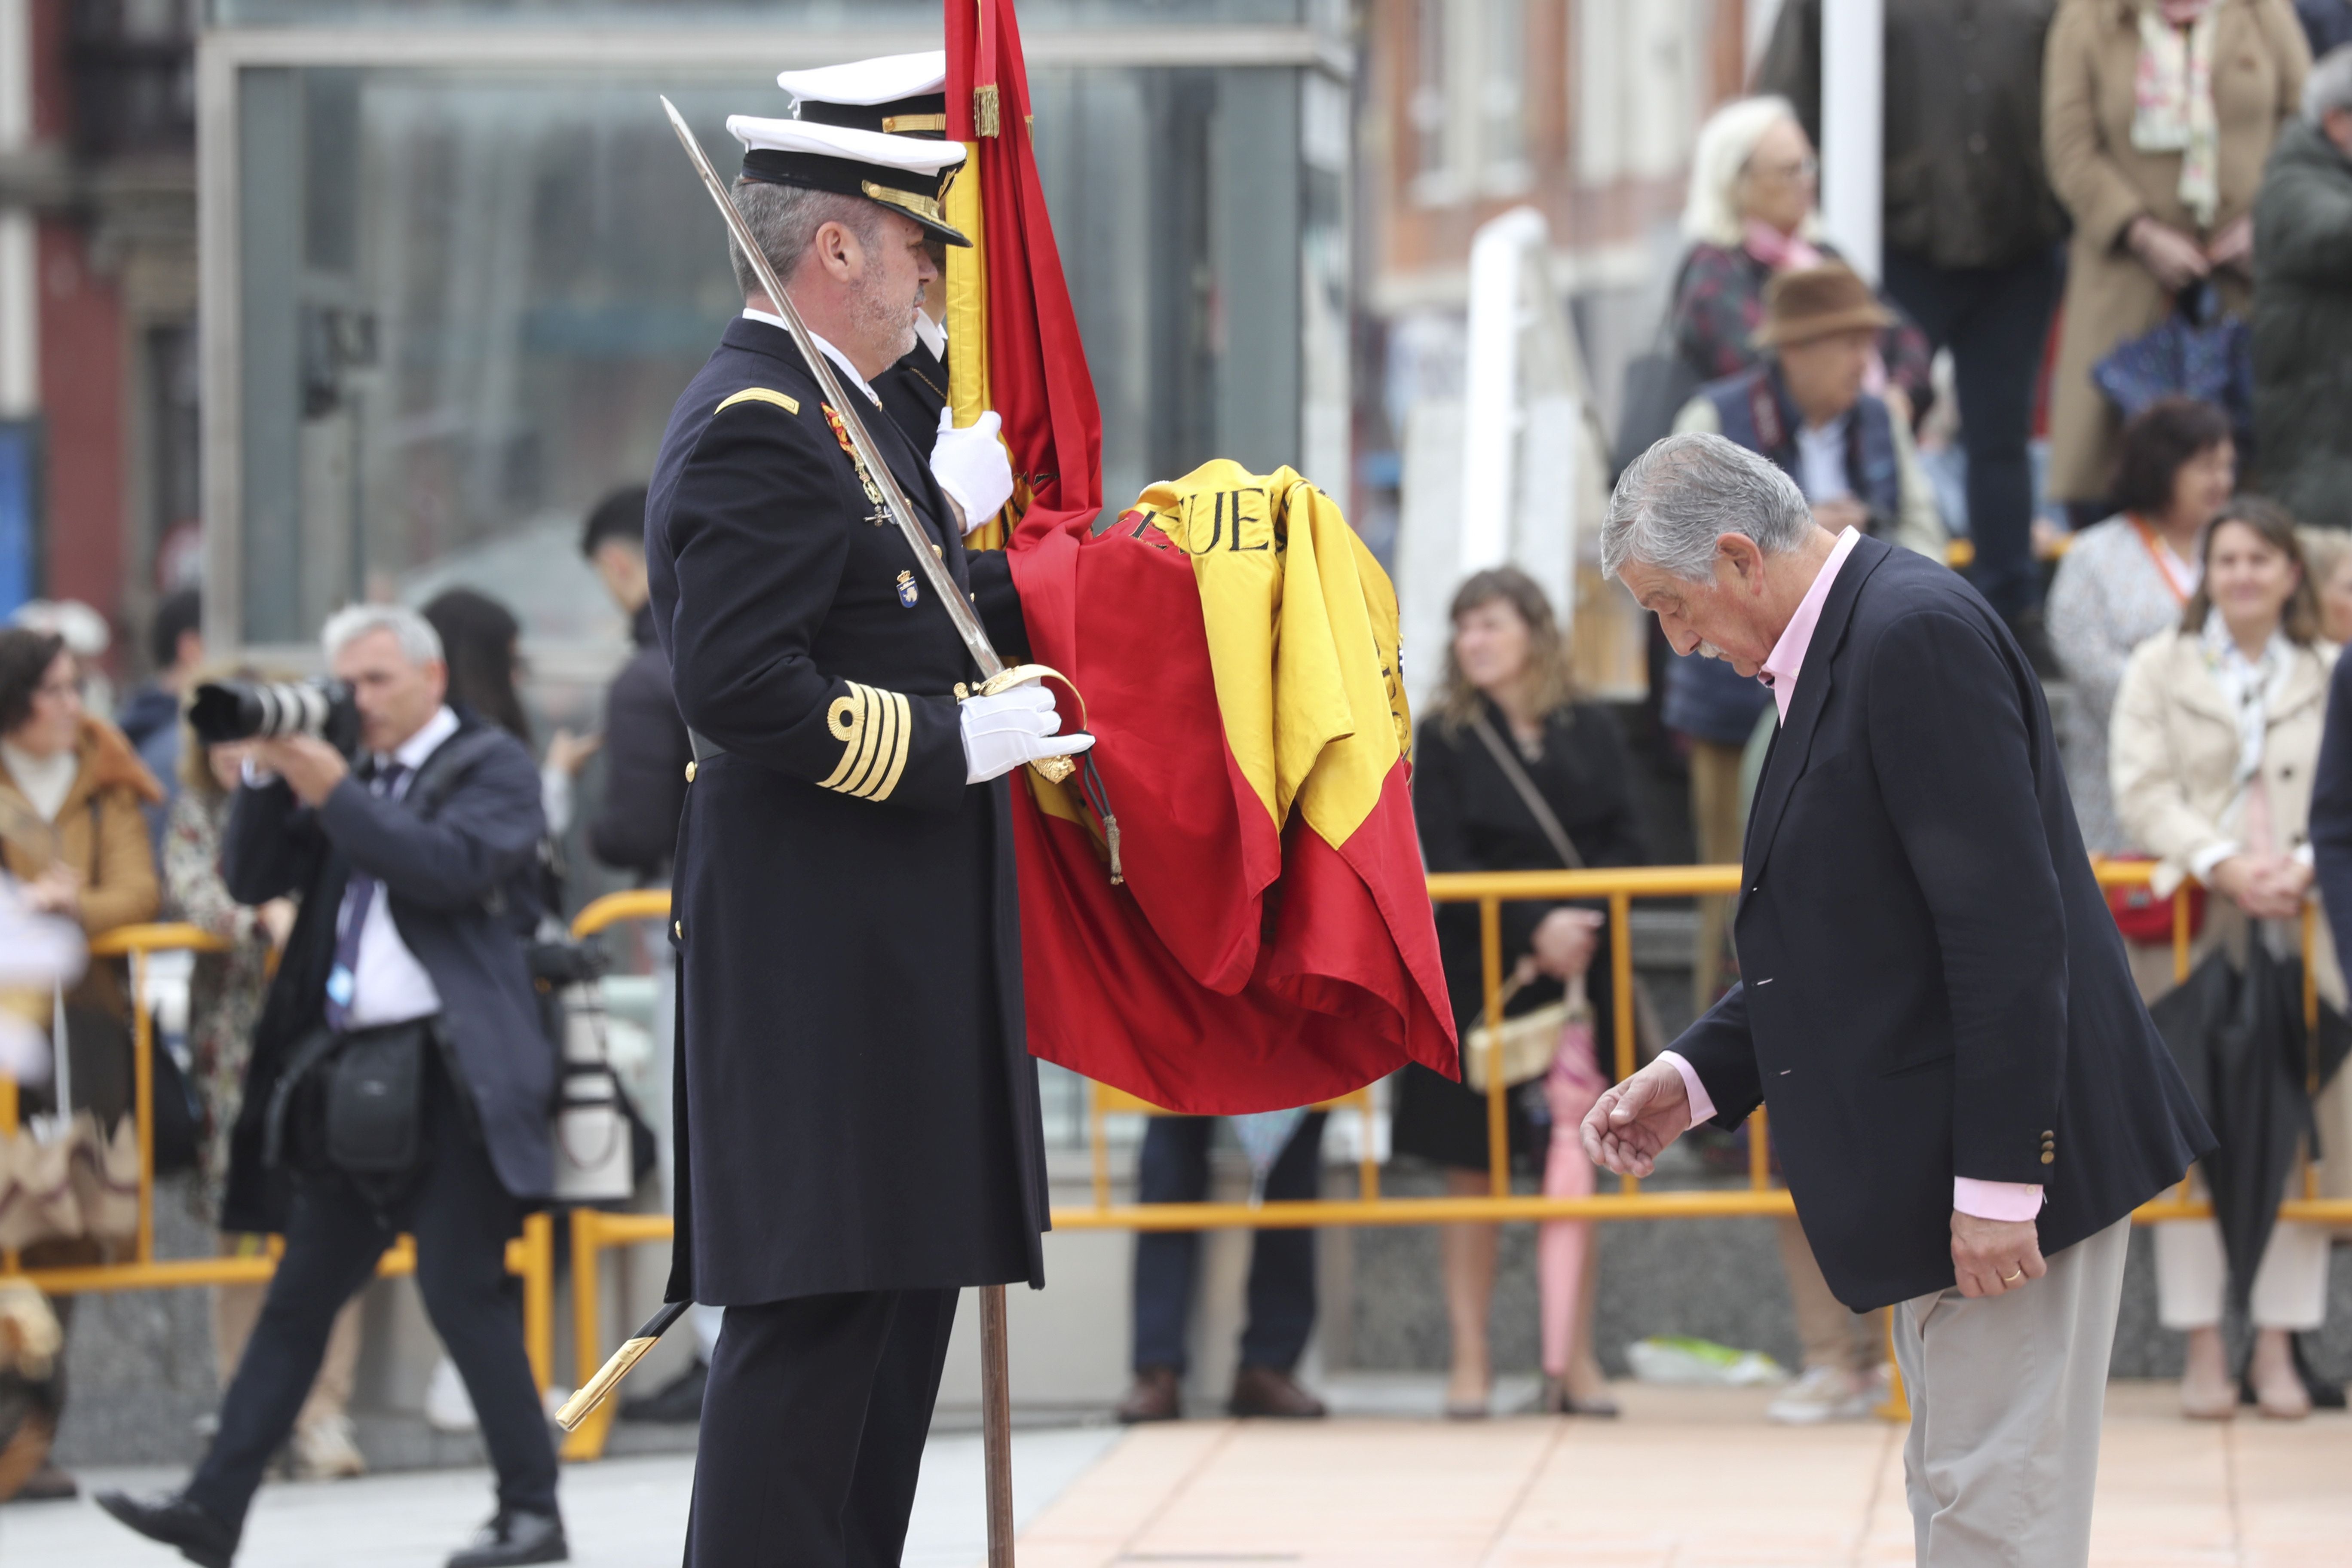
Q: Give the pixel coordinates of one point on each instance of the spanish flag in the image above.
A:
(1228, 915)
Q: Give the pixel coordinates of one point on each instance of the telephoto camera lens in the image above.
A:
(229, 710)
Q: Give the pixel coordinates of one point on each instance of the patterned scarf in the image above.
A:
(1779, 251)
(2172, 97)
(2249, 684)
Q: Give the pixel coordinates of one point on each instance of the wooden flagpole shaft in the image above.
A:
(996, 1424)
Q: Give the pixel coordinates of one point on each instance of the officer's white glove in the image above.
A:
(1002, 731)
(972, 466)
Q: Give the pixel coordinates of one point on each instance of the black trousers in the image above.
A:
(1995, 321)
(462, 1219)
(1174, 1169)
(813, 1429)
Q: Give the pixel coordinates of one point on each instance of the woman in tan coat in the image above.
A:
(2215, 741)
(2156, 118)
(73, 834)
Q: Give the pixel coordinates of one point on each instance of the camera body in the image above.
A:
(229, 710)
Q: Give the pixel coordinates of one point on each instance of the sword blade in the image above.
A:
(934, 570)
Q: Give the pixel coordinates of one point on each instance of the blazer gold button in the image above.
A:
(690, 773)
(2048, 1158)
(678, 930)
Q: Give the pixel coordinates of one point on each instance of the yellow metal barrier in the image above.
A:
(531, 1255)
(1617, 889)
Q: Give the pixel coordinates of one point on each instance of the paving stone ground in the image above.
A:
(1687, 1479)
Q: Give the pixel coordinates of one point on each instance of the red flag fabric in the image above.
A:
(1270, 944)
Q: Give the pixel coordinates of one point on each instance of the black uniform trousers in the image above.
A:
(1995, 320)
(1174, 1169)
(813, 1429)
(462, 1219)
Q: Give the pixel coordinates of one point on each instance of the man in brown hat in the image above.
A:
(1809, 407)
(1806, 407)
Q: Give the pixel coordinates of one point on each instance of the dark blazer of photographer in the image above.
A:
(447, 880)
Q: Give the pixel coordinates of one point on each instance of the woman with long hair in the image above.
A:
(2216, 743)
(1508, 706)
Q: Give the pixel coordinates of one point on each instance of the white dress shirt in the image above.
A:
(1820, 459)
(388, 985)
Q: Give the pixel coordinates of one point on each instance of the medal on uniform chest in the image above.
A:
(907, 594)
(881, 512)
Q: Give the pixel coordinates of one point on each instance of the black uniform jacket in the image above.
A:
(1933, 984)
(459, 889)
(857, 1106)
(646, 753)
(914, 391)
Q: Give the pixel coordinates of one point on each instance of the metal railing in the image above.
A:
(592, 1231)
(531, 1255)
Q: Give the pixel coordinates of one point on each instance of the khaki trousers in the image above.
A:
(2006, 1393)
(1832, 1334)
(1718, 815)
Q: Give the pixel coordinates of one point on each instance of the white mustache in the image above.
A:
(1708, 650)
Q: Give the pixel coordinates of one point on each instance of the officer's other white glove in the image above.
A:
(972, 466)
(1002, 731)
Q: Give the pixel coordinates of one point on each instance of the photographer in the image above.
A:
(403, 985)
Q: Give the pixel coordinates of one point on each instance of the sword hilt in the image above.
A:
(1052, 769)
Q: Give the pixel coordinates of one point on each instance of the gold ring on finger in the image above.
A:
(2013, 1279)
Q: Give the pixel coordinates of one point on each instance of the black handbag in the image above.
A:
(1657, 384)
(356, 1103)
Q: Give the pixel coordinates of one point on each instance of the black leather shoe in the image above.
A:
(514, 1536)
(174, 1520)
(677, 1402)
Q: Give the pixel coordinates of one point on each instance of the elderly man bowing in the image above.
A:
(857, 1121)
(1968, 1097)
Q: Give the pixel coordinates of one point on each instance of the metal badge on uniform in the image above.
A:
(907, 594)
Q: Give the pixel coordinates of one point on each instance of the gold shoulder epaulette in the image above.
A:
(759, 394)
(874, 726)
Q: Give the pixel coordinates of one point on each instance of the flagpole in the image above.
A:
(996, 1424)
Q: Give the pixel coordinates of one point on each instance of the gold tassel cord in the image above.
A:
(987, 116)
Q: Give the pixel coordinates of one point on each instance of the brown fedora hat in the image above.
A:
(1811, 302)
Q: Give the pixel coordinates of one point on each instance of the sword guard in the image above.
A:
(1052, 769)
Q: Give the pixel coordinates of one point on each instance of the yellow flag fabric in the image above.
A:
(1302, 626)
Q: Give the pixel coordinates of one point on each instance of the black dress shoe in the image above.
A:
(677, 1402)
(175, 1522)
(514, 1536)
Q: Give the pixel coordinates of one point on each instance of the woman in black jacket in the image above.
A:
(1509, 663)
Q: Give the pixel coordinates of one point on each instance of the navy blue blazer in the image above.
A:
(1933, 986)
(444, 880)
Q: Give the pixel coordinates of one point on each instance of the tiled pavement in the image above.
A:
(1688, 1478)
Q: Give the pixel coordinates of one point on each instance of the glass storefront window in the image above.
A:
(466, 299)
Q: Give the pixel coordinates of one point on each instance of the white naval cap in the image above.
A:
(907, 172)
(897, 94)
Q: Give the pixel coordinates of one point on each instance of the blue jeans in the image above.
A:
(1175, 1169)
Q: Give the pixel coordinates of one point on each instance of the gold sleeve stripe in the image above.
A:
(875, 728)
(759, 394)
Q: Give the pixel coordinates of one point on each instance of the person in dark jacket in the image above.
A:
(1968, 1096)
(858, 1125)
(1508, 666)
(2303, 304)
(150, 716)
(407, 859)
(1971, 229)
(646, 750)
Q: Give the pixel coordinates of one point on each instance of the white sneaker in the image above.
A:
(447, 1406)
(1823, 1393)
(324, 1451)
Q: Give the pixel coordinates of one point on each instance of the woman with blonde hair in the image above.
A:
(1511, 771)
(2215, 746)
(1750, 214)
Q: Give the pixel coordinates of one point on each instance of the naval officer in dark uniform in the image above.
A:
(858, 1119)
(906, 95)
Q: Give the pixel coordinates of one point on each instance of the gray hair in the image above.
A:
(1719, 158)
(784, 219)
(1676, 498)
(417, 639)
(2329, 85)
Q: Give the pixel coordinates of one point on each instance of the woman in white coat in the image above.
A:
(2215, 739)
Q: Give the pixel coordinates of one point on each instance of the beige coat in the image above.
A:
(2260, 59)
(2172, 754)
(100, 832)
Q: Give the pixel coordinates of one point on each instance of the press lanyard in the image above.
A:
(2156, 553)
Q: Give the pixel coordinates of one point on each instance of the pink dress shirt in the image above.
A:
(1986, 1200)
